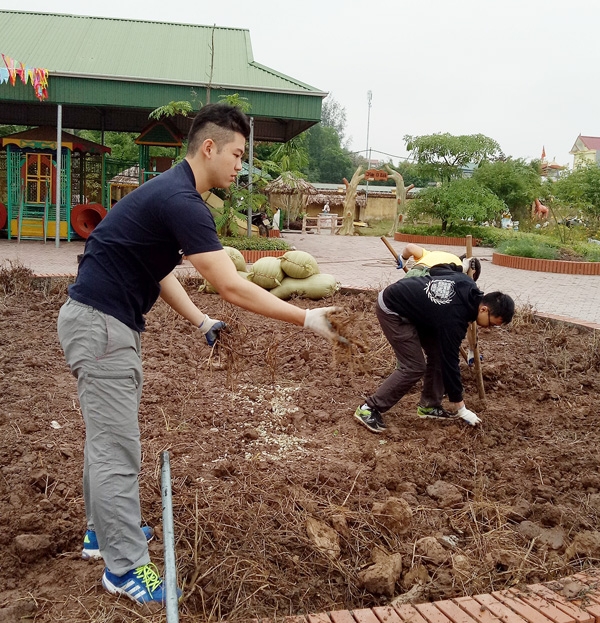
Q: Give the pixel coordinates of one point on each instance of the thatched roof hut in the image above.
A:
(290, 193)
(288, 184)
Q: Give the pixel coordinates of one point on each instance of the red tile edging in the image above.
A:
(548, 266)
(537, 603)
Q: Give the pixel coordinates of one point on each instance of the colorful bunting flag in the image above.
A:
(38, 77)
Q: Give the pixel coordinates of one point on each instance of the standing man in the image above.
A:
(430, 314)
(127, 264)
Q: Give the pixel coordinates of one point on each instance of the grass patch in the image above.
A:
(376, 228)
(526, 246)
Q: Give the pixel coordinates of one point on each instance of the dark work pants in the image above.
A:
(411, 365)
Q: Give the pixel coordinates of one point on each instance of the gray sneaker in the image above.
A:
(436, 413)
(371, 418)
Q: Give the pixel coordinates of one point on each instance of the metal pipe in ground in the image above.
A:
(171, 600)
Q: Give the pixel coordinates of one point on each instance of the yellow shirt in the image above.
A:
(433, 258)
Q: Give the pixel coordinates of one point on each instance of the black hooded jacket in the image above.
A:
(442, 303)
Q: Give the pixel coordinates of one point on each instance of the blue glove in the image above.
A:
(211, 329)
(471, 357)
(400, 262)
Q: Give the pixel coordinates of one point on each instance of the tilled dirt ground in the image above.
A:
(283, 503)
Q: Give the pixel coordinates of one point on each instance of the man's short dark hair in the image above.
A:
(218, 122)
(500, 305)
(474, 264)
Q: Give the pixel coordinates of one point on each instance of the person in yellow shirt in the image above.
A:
(424, 260)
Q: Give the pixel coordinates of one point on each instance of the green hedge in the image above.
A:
(537, 244)
(487, 236)
(255, 243)
(527, 246)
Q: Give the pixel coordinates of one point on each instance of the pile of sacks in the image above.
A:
(295, 273)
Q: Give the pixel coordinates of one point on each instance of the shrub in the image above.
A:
(255, 243)
(527, 246)
(486, 236)
(589, 251)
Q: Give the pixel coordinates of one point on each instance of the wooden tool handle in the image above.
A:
(390, 247)
(393, 252)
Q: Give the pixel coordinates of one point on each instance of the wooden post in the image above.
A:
(472, 330)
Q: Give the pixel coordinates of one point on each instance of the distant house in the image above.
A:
(586, 151)
(552, 170)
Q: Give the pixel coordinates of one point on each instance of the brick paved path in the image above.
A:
(570, 600)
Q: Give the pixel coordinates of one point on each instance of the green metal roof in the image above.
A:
(136, 66)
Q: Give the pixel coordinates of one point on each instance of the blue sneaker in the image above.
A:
(143, 584)
(90, 543)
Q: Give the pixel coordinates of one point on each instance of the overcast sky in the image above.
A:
(523, 72)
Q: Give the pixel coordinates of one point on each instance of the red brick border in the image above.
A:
(252, 255)
(536, 603)
(548, 266)
(443, 240)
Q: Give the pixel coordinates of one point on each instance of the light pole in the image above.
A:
(369, 99)
(368, 152)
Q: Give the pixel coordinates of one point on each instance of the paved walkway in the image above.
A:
(365, 262)
(571, 600)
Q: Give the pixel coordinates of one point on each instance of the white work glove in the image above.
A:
(468, 416)
(211, 329)
(471, 357)
(316, 320)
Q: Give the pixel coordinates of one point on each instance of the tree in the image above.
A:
(5, 130)
(515, 182)
(457, 200)
(333, 115)
(444, 155)
(235, 99)
(122, 144)
(291, 155)
(411, 174)
(581, 191)
(183, 108)
(328, 161)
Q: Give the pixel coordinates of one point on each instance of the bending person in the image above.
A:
(430, 315)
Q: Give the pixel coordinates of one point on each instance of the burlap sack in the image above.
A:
(266, 272)
(299, 264)
(237, 258)
(314, 287)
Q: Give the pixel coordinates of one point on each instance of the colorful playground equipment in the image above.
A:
(30, 184)
(87, 190)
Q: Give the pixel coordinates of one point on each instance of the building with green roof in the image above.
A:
(109, 74)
